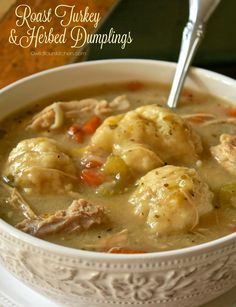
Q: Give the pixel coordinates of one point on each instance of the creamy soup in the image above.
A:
(77, 173)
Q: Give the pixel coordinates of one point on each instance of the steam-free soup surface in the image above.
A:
(110, 182)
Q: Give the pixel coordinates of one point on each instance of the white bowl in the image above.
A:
(185, 277)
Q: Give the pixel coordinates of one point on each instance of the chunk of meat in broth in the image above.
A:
(56, 115)
(80, 215)
(17, 201)
(41, 165)
(225, 152)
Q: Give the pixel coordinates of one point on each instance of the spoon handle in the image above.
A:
(199, 12)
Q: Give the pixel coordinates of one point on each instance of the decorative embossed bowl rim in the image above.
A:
(67, 77)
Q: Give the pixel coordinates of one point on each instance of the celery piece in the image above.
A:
(120, 175)
(227, 194)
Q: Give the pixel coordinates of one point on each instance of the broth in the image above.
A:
(123, 224)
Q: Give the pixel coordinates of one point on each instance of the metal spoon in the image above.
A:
(199, 13)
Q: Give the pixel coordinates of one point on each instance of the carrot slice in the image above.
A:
(125, 250)
(79, 137)
(73, 129)
(92, 177)
(93, 164)
(198, 119)
(230, 112)
(76, 133)
(135, 86)
(91, 125)
(186, 93)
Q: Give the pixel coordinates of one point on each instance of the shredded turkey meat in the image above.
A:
(54, 116)
(225, 152)
(17, 201)
(80, 215)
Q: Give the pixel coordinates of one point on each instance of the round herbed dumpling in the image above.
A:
(171, 199)
(41, 165)
(158, 128)
(138, 157)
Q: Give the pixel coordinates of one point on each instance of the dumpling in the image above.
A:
(138, 157)
(171, 199)
(161, 130)
(42, 165)
(225, 152)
